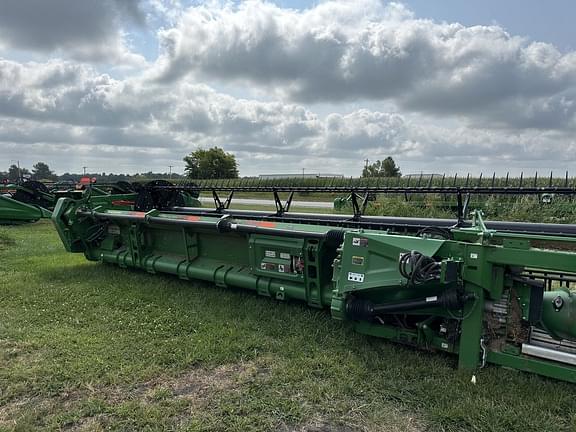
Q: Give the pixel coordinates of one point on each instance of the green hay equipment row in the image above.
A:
(14, 212)
(32, 200)
(25, 203)
(487, 292)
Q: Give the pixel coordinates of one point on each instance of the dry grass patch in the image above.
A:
(187, 393)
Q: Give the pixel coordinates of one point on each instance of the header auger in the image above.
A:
(486, 291)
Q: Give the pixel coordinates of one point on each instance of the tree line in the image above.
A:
(42, 172)
(213, 163)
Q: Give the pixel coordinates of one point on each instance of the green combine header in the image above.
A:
(32, 200)
(488, 292)
(25, 203)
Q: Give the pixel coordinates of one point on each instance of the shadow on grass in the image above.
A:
(279, 319)
(164, 290)
(105, 273)
(167, 325)
(170, 291)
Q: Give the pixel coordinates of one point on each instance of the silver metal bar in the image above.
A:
(541, 338)
(549, 354)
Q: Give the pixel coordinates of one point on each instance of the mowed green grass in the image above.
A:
(86, 346)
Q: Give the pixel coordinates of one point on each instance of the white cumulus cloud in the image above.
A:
(90, 31)
(349, 50)
(337, 83)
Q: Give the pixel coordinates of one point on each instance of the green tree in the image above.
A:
(41, 171)
(213, 163)
(385, 168)
(14, 173)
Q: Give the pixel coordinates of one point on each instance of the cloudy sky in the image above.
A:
(440, 85)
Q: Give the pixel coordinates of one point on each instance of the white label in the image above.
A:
(474, 255)
(444, 345)
(284, 255)
(431, 299)
(355, 277)
(355, 241)
(270, 254)
(281, 268)
(113, 229)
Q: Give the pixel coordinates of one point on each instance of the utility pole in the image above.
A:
(365, 171)
(84, 168)
(303, 172)
(170, 175)
(19, 174)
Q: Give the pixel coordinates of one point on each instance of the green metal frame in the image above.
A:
(291, 261)
(13, 212)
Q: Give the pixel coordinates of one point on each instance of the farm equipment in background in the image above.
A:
(24, 203)
(33, 200)
(486, 291)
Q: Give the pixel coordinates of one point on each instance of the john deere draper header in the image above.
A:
(487, 292)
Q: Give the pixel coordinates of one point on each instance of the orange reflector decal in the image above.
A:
(266, 224)
(261, 224)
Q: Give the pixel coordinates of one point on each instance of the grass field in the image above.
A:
(86, 346)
